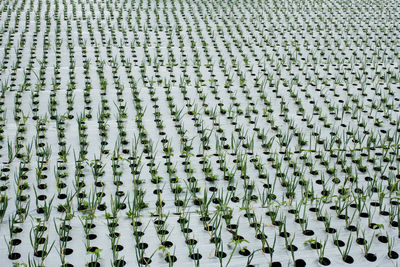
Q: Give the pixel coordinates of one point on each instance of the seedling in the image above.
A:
(345, 252)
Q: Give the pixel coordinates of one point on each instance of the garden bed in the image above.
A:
(161, 133)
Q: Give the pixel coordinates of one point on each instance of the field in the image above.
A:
(205, 133)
